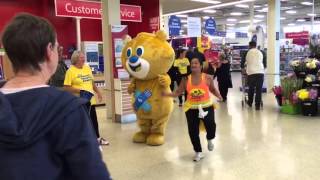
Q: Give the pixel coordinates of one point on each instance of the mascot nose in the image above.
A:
(133, 59)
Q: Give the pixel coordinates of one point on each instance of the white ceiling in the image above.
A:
(171, 6)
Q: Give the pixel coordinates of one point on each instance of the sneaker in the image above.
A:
(103, 142)
(210, 145)
(198, 156)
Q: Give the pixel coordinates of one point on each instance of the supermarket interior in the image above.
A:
(242, 78)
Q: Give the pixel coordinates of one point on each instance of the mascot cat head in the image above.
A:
(147, 55)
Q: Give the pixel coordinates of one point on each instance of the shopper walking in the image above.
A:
(182, 64)
(79, 81)
(255, 65)
(223, 73)
(44, 132)
(57, 78)
(198, 86)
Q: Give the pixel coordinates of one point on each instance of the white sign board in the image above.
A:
(194, 26)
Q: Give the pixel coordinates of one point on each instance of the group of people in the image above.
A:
(46, 133)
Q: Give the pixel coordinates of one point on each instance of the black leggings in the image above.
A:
(94, 119)
(193, 126)
(185, 93)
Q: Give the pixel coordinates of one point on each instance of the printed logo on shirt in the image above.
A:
(85, 78)
(197, 94)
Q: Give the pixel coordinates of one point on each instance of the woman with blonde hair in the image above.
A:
(80, 82)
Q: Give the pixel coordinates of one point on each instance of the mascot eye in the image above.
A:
(140, 51)
(129, 52)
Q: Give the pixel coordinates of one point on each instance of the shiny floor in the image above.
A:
(250, 145)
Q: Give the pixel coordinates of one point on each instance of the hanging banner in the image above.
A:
(210, 26)
(298, 35)
(194, 26)
(174, 26)
(93, 10)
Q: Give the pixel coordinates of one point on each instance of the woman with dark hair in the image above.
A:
(223, 73)
(182, 64)
(45, 133)
(199, 105)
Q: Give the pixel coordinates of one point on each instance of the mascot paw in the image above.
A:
(164, 80)
(155, 139)
(140, 137)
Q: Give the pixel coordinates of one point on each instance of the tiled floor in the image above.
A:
(250, 145)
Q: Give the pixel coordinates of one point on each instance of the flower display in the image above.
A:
(310, 78)
(305, 94)
(277, 90)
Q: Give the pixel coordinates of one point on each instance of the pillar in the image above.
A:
(78, 29)
(273, 51)
(110, 16)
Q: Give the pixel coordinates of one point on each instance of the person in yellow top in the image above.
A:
(80, 82)
(182, 64)
(198, 105)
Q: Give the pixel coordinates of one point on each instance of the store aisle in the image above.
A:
(249, 145)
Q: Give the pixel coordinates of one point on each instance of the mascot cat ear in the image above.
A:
(161, 34)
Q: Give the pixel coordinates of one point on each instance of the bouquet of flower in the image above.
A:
(312, 65)
(310, 78)
(307, 94)
(277, 90)
(298, 65)
(290, 86)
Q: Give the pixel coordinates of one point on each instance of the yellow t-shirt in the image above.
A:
(182, 65)
(81, 79)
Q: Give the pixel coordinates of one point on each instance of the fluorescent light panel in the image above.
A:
(182, 15)
(259, 16)
(207, 1)
(231, 20)
(307, 3)
(291, 12)
(291, 24)
(209, 7)
(301, 20)
(210, 11)
(236, 14)
(242, 5)
(312, 15)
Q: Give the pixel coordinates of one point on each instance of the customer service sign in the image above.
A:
(93, 10)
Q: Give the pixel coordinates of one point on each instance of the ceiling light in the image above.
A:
(231, 20)
(242, 5)
(209, 7)
(291, 24)
(236, 14)
(207, 1)
(259, 16)
(257, 6)
(307, 3)
(291, 12)
(182, 15)
(248, 21)
(263, 10)
(283, 18)
(301, 20)
(312, 15)
(205, 17)
(230, 24)
(210, 11)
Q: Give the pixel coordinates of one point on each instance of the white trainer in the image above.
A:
(210, 145)
(198, 156)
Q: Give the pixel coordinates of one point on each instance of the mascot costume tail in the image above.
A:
(147, 58)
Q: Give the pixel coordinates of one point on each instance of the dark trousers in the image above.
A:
(94, 119)
(255, 83)
(223, 88)
(193, 126)
(185, 93)
(172, 85)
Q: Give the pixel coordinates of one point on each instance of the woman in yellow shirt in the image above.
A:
(182, 64)
(80, 82)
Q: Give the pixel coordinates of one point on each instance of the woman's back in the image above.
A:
(45, 134)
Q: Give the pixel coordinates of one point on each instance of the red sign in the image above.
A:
(154, 24)
(93, 10)
(130, 13)
(298, 35)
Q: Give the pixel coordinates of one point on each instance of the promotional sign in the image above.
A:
(241, 35)
(93, 10)
(220, 34)
(154, 24)
(210, 26)
(298, 35)
(174, 26)
(118, 32)
(194, 26)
